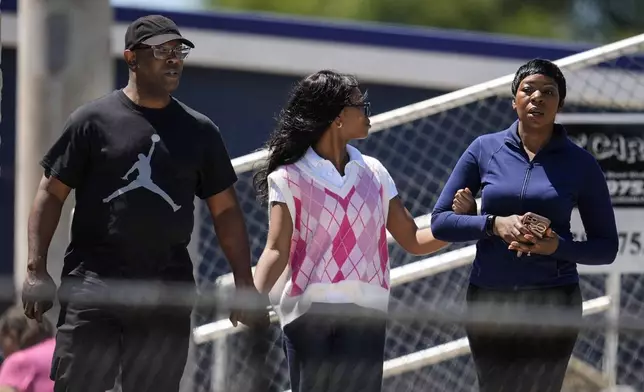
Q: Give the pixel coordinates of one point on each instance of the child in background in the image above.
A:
(325, 266)
(28, 347)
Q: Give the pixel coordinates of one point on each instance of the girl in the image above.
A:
(326, 259)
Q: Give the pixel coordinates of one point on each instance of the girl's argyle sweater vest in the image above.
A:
(339, 250)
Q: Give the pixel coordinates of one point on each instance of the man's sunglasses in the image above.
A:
(164, 53)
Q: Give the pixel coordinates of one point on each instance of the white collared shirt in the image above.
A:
(325, 171)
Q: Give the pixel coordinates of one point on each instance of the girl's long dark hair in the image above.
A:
(312, 107)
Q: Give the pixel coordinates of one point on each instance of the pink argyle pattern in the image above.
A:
(337, 237)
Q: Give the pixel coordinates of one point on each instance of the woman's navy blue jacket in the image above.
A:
(560, 177)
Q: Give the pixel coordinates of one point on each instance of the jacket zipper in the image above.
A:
(526, 179)
(523, 189)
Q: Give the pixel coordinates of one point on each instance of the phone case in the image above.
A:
(537, 224)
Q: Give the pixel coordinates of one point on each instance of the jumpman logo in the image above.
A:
(144, 179)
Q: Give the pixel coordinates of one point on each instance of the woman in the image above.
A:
(530, 167)
(326, 263)
(28, 347)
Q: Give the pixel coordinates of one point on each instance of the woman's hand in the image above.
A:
(464, 202)
(511, 229)
(541, 246)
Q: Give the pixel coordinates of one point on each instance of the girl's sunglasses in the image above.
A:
(366, 107)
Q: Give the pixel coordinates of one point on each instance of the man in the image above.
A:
(136, 159)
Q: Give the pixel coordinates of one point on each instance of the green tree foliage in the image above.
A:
(560, 19)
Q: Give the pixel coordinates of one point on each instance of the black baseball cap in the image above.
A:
(153, 30)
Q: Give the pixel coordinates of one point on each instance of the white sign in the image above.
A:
(630, 256)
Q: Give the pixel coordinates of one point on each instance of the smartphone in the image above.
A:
(537, 224)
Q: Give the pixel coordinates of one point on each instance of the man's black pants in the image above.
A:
(149, 345)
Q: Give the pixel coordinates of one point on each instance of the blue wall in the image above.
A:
(7, 158)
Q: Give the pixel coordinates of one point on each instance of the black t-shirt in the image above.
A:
(136, 172)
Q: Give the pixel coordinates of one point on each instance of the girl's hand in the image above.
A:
(464, 202)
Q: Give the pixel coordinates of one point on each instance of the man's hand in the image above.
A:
(230, 229)
(38, 293)
(464, 202)
(39, 289)
(541, 246)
